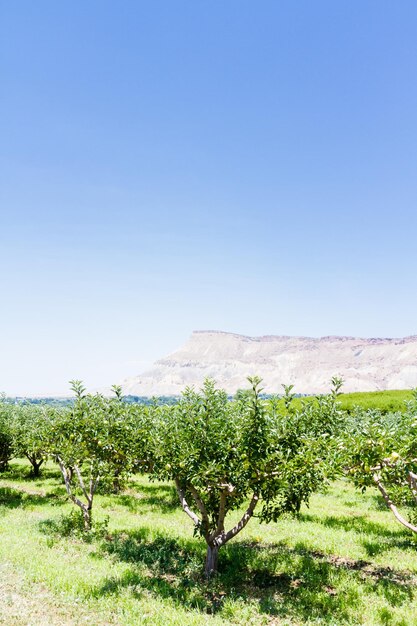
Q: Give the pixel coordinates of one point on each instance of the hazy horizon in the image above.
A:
(137, 368)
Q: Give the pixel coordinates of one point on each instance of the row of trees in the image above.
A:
(260, 456)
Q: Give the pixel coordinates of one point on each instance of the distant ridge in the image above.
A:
(307, 362)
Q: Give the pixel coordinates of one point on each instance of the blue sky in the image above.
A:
(176, 165)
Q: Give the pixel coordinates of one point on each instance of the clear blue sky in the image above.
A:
(177, 165)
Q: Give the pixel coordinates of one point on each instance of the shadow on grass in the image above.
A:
(16, 498)
(358, 523)
(161, 497)
(281, 581)
(23, 472)
(379, 537)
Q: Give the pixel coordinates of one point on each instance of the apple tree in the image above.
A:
(30, 429)
(243, 455)
(381, 451)
(91, 443)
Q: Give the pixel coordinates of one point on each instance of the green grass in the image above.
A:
(345, 561)
(385, 401)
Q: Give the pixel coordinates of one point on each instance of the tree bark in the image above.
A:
(35, 466)
(185, 505)
(211, 560)
(392, 506)
(219, 538)
(87, 518)
(412, 482)
(244, 519)
(85, 508)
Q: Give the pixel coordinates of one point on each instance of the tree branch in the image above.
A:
(81, 481)
(200, 504)
(95, 483)
(184, 503)
(90, 489)
(225, 537)
(67, 482)
(391, 505)
(227, 486)
(222, 514)
(412, 481)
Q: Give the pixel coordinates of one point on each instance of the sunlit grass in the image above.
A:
(344, 561)
(390, 401)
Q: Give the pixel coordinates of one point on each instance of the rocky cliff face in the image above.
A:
(306, 362)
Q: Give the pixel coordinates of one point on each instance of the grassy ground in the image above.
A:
(345, 561)
(385, 401)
